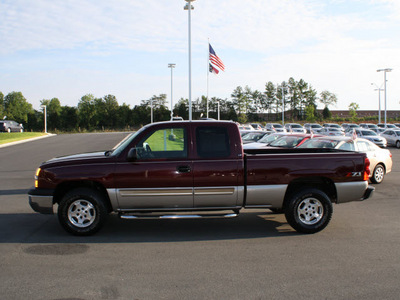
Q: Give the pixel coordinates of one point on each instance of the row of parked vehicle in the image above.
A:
(347, 137)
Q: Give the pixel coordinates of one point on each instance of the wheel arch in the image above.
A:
(65, 187)
(324, 184)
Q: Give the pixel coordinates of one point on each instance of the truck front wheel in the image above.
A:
(309, 210)
(82, 211)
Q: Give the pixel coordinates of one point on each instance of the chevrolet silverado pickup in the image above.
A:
(195, 169)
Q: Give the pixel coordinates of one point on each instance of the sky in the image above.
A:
(69, 48)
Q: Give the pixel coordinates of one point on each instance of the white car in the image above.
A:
(380, 159)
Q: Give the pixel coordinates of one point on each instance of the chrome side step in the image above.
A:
(166, 216)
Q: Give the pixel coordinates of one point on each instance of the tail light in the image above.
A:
(367, 170)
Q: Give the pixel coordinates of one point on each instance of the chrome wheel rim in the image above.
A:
(379, 173)
(310, 211)
(81, 213)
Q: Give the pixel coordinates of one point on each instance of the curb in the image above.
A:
(27, 140)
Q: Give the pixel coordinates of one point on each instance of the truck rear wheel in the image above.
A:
(82, 211)
(308, 210)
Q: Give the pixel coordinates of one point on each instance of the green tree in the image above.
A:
(53, 110)
(16, 107)
(181, 109)
(69, 118)
(87, 112)
(310, 113)
(353, 111)
(326, 113)
(327, 98)
(1, 105)
(271, 103)
(106, 111)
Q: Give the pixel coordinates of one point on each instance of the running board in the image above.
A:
(196, 216)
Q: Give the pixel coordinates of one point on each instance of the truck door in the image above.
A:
(215, 169)
(161, 176)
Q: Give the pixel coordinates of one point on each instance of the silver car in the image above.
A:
(331, 131)
(392, 136)
(295, 128)
(380, 159)
(370, 135)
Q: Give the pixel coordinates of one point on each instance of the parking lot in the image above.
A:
(254, 256)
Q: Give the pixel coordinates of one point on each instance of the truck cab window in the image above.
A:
(163, 144)
(212, 142)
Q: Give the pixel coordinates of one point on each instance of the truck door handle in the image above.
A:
(183, 169)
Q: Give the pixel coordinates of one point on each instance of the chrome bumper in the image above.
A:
(41, 201)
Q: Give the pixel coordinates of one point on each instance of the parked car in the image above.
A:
(380, 159)
(314, 127)
(10, 126)
(276, 127)
(290, 140)
(265, 141)
(350, 126)
(295, 128)
(246, 127)
(331, 131)
(333, 125)
(392, 136)
(256, 126)
(371, 126)
(371, 136)
(254, 136)
(387, 126)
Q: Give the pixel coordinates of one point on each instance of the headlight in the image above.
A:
(37, 177)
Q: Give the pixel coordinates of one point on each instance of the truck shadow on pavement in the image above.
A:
(37, 228)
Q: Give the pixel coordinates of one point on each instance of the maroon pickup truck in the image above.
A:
(197, 169)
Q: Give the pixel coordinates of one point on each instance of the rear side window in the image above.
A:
(212, 142)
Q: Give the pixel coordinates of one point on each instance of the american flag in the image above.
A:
(212, 69)
(215, 61)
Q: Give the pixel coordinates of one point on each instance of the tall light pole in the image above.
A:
(171, 66)
(384, 72)
(45, 117)
(379, 89)
(189, 8)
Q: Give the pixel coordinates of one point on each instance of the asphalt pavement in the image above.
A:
(254, 256)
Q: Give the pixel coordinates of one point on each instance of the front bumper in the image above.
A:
(41, 200)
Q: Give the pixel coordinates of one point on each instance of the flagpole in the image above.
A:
(208, 70)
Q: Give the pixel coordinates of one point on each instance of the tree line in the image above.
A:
(244, 105)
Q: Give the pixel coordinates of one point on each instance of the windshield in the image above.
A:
(122, 144)
(278, 126)
(287, 141)
(269, 138)
(313, 143)
(296, 126)
(316, 126)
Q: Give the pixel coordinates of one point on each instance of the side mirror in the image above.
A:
(132, 154)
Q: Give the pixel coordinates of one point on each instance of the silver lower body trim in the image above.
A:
(41, 204)
(351, 191)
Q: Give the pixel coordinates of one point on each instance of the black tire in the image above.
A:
(378, 174)
(397, 144)
(308, 210)
(82, 211)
